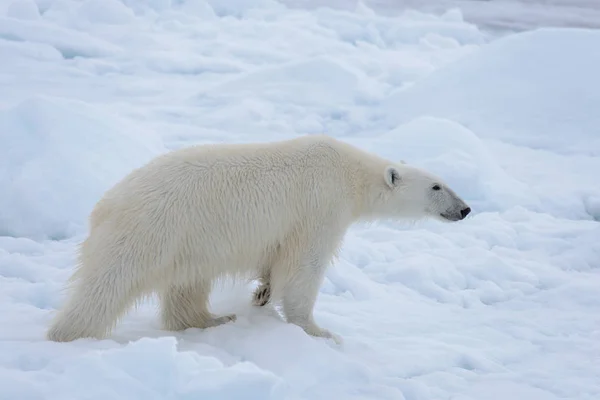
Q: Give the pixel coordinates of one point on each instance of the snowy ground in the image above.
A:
(495, 16)
(503, 305)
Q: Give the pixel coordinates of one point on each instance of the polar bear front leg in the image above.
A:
(299, 299)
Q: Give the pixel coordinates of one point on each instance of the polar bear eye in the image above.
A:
(436, 187)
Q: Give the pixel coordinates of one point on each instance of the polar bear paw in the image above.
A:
(317, 331)
(262, 295)
(216, 321)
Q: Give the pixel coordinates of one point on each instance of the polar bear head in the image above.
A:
(414, 193)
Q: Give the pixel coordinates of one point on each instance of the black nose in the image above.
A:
(465, 212)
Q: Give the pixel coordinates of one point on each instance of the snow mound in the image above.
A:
(320, 78)
(57, 158)
(111, 12)
(240, 8)
(410, 27)
(311, 95)
(538, 89)
(15, 51)
(71, 44)
(146, 369)
(23, 9)
(188, 65)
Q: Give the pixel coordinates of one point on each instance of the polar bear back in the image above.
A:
(231, 204)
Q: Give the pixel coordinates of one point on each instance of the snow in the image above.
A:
(55, 150)
(501, 305)
(497, 16)
(524, 103)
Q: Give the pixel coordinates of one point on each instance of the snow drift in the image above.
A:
(538, 89)
(57, 158)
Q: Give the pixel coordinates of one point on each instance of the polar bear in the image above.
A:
(275, 212)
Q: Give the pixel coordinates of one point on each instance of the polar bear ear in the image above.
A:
(392, 177)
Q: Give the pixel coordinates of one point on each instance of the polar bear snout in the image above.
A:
(464, 212)
(457, 214)
(451, 207)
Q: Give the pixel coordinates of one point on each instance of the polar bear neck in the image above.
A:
(364, 175)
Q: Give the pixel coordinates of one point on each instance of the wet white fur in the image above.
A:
(271, 211)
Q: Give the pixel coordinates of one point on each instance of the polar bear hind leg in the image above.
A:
(186, 306)
(99, 297)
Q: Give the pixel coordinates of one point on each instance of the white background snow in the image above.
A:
(503, 305)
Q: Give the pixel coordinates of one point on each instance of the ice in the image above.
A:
(501, 305)
(57, 158)
(239, 8)
(514, 89)
(146, 369)
(23, 9)
(302, 78)
(70, 43)
(406, 29)
(105, 12)
(497, 16)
